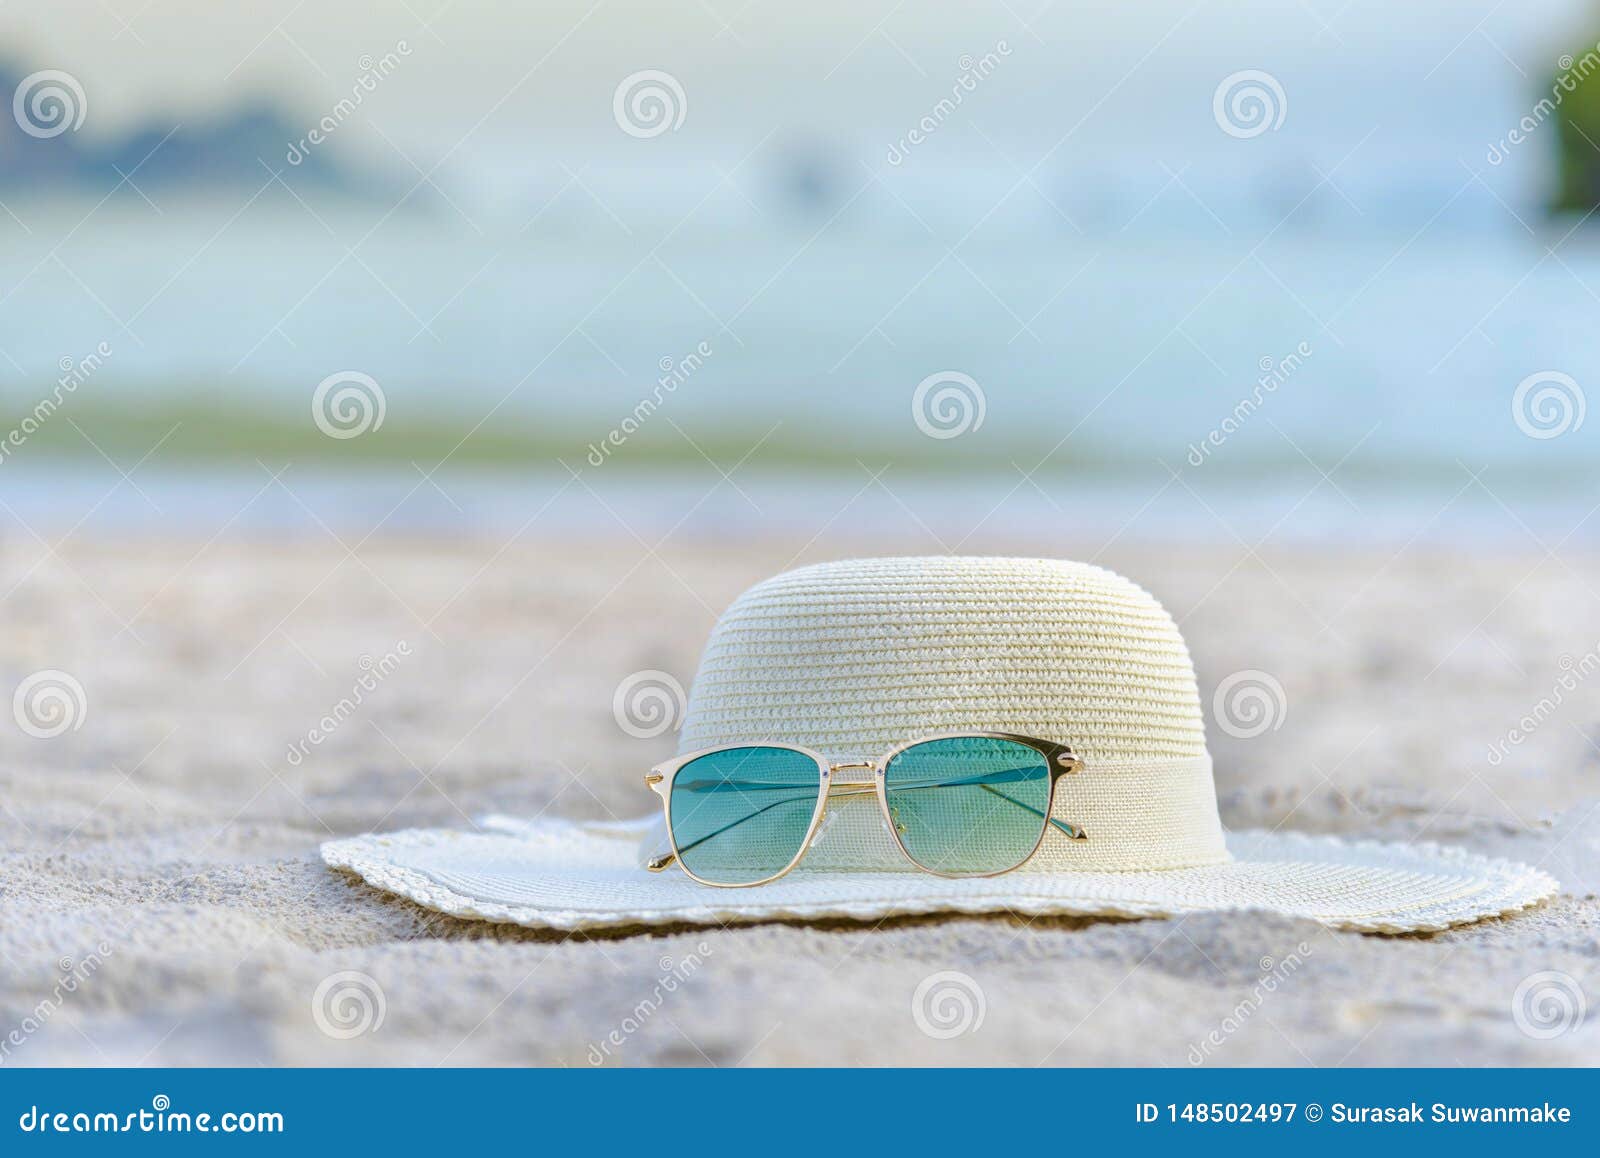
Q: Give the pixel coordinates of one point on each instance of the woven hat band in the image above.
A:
(1161, 815)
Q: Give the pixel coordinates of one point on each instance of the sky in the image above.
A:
(494, 94)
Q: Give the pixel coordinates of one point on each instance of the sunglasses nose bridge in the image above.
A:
(853, 786)
(852, 766)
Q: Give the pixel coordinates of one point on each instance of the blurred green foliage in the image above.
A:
(181, 435)
(1578, 126)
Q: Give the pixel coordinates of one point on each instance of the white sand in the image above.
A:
(171, 827)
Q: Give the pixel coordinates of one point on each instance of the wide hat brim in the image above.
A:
(567, 875)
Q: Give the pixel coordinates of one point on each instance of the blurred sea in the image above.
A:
(1312, 361)
(1136, 343)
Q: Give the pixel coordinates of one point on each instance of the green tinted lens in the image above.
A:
(741, 815)
(969, 804)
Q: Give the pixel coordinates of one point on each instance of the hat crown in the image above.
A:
(851, 658)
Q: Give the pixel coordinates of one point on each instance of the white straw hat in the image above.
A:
(850, 659)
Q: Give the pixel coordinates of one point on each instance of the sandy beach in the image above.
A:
(168, 836)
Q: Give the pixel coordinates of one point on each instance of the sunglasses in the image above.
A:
(972, 804)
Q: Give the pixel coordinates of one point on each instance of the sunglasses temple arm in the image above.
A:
(1072, 830)
(664, 860)
(1065, 826)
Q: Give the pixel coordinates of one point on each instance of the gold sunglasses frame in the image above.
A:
(1059, 758)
